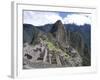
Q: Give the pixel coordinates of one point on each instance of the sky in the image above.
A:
(39, 18)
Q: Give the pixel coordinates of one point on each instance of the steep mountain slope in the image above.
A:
(59, 33)
(67, 45)
(80, 38)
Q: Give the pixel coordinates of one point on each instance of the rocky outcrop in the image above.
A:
(57, 47)
(59, 33)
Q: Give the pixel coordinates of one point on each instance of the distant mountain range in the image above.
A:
(84, 30)
(79, 37)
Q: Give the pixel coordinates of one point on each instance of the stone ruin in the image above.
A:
(39, 56)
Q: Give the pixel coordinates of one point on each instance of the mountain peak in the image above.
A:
(58, 22)
(59, 26)
(56, 26)
(58, 31)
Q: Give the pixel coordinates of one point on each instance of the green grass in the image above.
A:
(53, 47)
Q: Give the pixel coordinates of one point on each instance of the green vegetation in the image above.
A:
(55, 48)
(52, 45)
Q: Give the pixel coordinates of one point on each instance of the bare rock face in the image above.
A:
(51, 49)
(60, 32)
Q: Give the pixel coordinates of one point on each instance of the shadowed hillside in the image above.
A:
(56, 45)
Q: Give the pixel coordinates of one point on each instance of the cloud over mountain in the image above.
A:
(77, 19)
(39, 18)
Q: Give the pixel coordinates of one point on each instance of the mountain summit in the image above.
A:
(56, 45)
(59, 32)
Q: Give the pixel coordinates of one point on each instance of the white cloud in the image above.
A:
(78, 19)
(40, 18)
